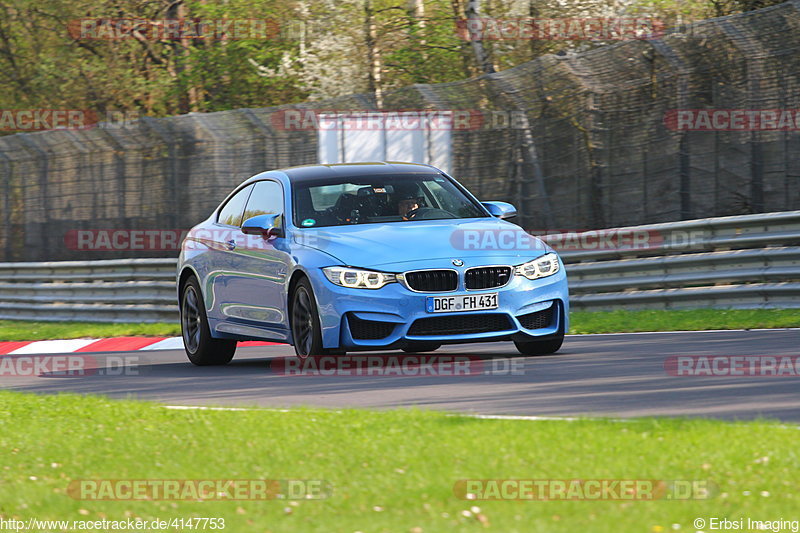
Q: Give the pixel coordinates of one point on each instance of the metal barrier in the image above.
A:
(750, 261)
(119, 290)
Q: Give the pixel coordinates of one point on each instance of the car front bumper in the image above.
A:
(393, 310)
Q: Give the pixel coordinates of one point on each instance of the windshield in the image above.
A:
(379, 199)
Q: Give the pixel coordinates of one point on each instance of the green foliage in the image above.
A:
(45, 65)
(322, 49)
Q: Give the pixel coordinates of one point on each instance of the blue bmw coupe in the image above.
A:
(365, 256)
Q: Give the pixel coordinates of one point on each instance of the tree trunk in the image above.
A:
(373, 54)
(464, 48)
(416, 12)
(473, 23)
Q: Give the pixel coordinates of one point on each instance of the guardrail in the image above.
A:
(750, 261)
(703, 234)
(119, 290)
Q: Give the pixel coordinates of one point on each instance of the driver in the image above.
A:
(407, 205)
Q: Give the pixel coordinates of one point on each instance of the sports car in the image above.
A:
(365, 256)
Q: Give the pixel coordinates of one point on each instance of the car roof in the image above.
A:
(315, 172)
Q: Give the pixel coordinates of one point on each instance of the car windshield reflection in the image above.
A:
(380, 199)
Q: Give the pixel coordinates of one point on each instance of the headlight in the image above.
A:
(356, 278)
(544, 266)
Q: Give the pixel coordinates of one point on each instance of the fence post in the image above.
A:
(44, 221)
(267, 136)
(170, 166)
(119, 171)
(755, 73)
(529, 150)
(684, 157)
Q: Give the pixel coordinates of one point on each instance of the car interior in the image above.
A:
(369, 203)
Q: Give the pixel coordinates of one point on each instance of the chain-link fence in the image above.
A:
(589, 146)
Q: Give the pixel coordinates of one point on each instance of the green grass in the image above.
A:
(23, 330)
(685, 320)
(580, 322)
(390, 470)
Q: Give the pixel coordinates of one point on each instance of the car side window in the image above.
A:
(267, 199)
(231, 212)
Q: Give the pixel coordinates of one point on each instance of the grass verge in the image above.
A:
(390, 470)
(681, 320)
(580, 322)
(24, 330)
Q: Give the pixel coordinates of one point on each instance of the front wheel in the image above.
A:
(306, 328)
(547, 347)
(201, 348)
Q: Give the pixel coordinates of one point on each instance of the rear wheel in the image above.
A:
(306, 327)
(547, 347)
(417, 347)
(201, 348)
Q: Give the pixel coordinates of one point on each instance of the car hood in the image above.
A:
(434, 242)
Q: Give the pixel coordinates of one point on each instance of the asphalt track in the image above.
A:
(619, 375)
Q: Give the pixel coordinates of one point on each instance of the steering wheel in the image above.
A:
(413, 213)
(427, 213)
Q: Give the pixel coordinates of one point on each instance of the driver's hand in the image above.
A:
(407, 206)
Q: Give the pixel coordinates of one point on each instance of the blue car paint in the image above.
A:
(246, 292)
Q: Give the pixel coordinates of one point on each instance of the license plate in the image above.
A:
(462, 302)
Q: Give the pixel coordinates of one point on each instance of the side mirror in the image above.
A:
(500, 209)
(264, 225)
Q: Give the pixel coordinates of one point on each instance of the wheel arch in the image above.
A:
(297, 275)
(186, 273)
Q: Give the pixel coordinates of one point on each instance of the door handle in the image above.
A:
(231, 244)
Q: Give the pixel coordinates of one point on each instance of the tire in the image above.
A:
(306, 327)
(201, 348)
(417, 347)
(547, 347)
